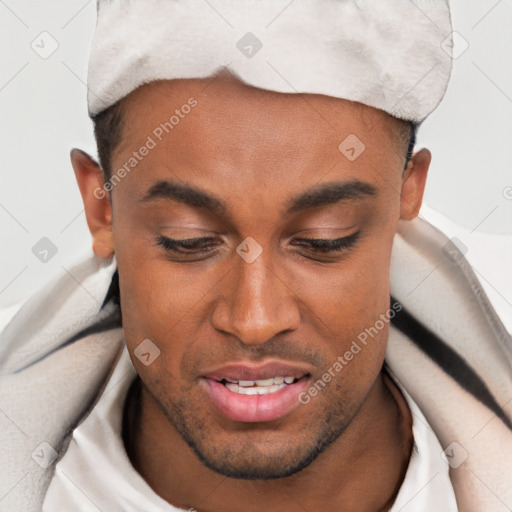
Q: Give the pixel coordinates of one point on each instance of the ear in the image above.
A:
(98, 210)
(413, 184)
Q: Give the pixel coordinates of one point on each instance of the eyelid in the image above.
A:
(330, 245)
(165, 241)
(326, 230)
(327, 247)
(326, 240)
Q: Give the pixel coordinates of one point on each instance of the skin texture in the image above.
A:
(349, 447)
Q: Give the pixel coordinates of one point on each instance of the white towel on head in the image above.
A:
(394, 55)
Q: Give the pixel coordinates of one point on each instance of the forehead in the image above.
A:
(234, 131)
(227, 107)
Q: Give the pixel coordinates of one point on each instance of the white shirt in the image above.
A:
(95, 474)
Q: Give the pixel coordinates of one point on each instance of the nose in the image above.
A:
(256, 303)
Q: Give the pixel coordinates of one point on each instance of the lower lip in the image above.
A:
(255, 408)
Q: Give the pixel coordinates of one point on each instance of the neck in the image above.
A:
(361, 471)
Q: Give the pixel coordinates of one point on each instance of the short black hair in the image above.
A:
(413, 130)
(108, 132)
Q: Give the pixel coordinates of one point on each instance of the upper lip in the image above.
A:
(251, 371)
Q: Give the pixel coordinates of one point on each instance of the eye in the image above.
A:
(327, 246)
(194, 246)
(187, 246)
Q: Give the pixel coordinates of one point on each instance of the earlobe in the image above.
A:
(98, 210)
(413, 185)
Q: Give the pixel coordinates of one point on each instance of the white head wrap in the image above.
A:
(394, 55)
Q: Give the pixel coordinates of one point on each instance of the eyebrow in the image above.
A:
(185, 194)
(330, 193)
(321, 195)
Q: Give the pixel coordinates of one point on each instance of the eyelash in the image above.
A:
(170, 244)
(327, 246)
(193, 246)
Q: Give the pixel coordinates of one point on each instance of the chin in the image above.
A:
(263, 455)
(257, 451)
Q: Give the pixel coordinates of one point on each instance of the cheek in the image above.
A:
(350, 296)
(160, 301)
(353, 311)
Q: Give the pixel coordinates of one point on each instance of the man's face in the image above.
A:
(216, 313)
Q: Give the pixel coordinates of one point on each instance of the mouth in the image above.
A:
(249, 394)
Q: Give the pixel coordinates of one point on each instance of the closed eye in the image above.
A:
(187, 246)
(194, 246)
(326, 246)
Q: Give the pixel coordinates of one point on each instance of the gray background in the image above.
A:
(44, 114)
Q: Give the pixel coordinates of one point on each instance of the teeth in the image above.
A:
(232, 387)
(255, 390)
(264, 382)
(257, 387)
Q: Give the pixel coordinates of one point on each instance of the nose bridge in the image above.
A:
(258, 304)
